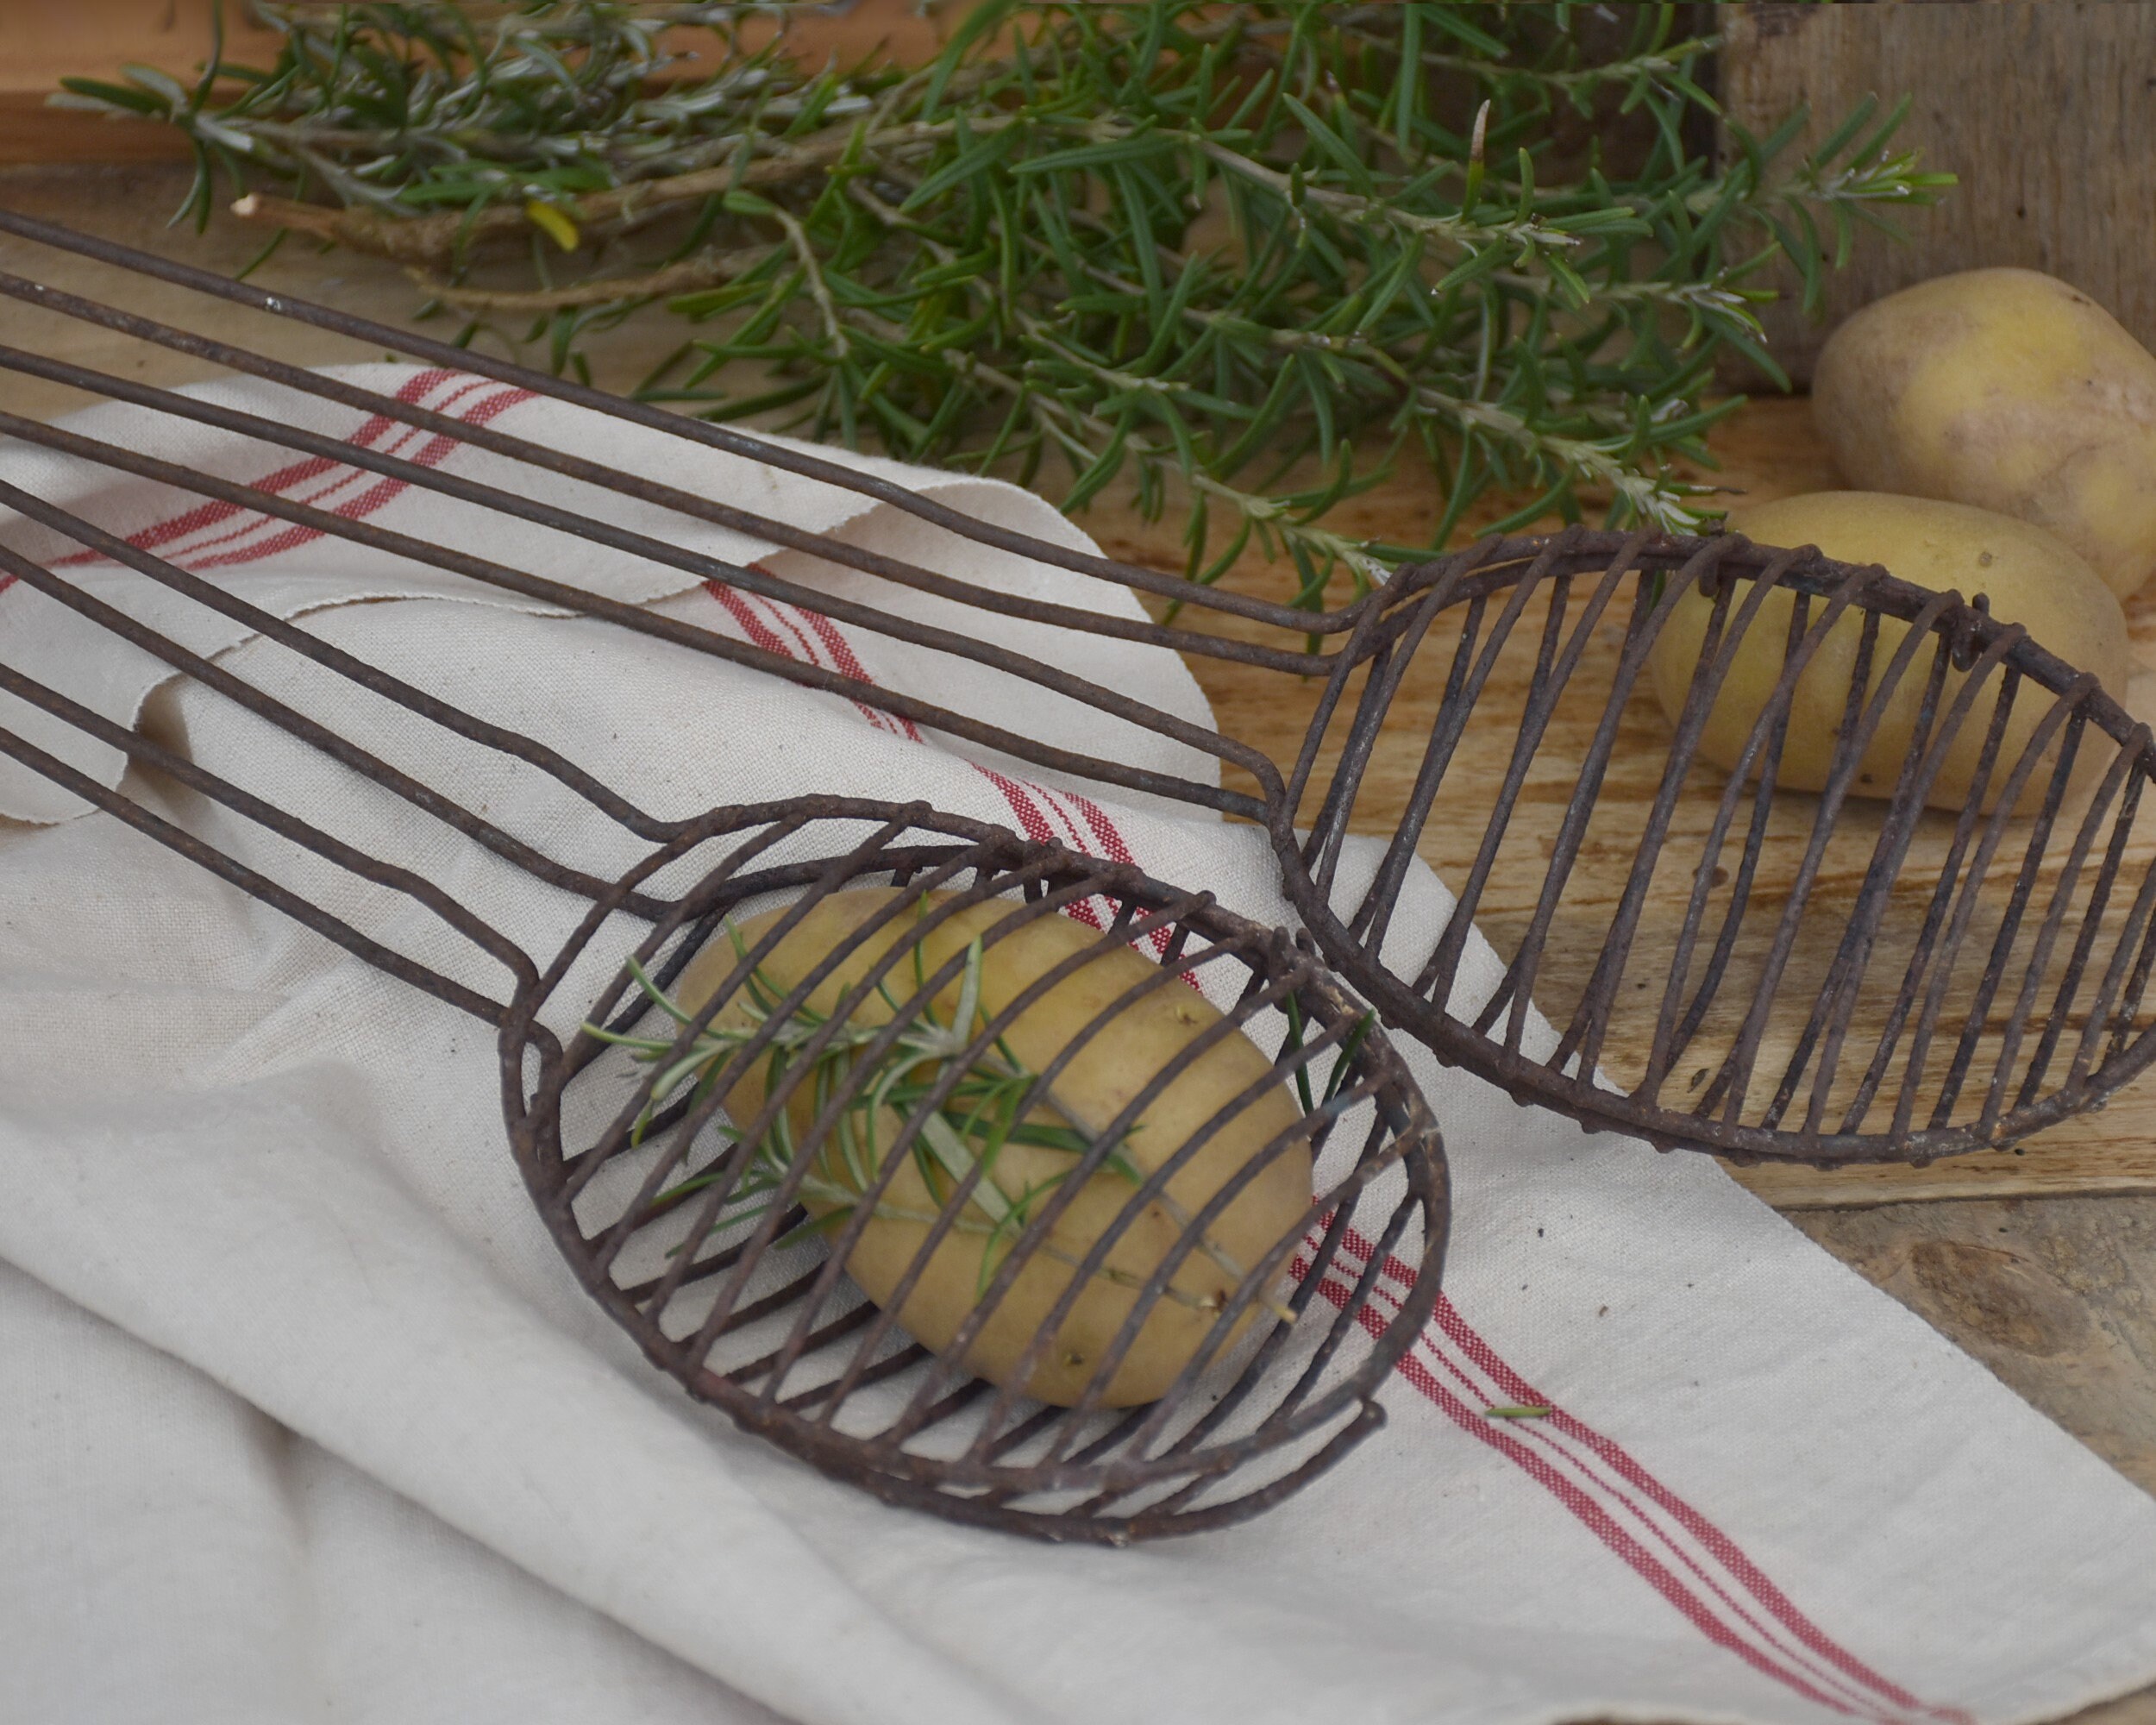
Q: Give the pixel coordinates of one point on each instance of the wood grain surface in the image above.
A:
(2045, 110)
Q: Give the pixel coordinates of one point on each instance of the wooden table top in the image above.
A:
(2044, 1267)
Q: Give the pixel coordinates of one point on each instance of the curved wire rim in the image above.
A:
(1492, 565)
(980, 1494)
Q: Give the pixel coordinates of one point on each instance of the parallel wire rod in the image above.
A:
(247, 696)
(1768, 727)
(1437, 971)
(2099, 900)
(1373, 917)
(252, 882)
(1997, 825)
(1860, 718)
(2047, 930)
(1827, 1022)
(725, 439)
(2065, 713)
(1930, 954)
(701, 565)
(548, 459)
(637, 618)
(1641, 632)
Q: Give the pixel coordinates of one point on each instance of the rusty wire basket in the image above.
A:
(1725, 961)
(1872, 969)
(1273, 1374)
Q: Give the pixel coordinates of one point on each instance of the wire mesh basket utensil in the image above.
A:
(1943, 947)
(1725, 961)
(1269, 1377)
(1275, 1353)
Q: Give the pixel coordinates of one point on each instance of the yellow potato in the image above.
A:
(1102, 1078)
(2009, 391)
(2029, 578)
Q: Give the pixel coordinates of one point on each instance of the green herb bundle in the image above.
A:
(1246, 257)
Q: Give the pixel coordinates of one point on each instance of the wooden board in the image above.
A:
(2047, 112)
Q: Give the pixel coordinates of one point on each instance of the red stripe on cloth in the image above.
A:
(1597, 1520)
(346, 478)
(1538, 1432)
(1104, 830)
(844, 660)
(191, 556)
(1104, 841)
(211, 514)
(436, 450)
(1032, 804)
(754, 627)
(1740, 1566)
(793, 619)
(810, 628)
(1036, 808)
(760, 634)
(792, 626)
(1039, 829)
(1113, 847)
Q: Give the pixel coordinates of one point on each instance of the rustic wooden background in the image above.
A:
(2045, 110)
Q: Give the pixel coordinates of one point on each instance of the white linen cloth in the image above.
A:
(303, 1417)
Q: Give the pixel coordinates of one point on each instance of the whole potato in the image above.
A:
(2008, 390)
(1105, 1073)
(2030, 577)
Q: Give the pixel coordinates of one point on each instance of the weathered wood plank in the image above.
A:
(2045, 108)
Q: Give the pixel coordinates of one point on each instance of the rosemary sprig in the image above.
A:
(1242, 258)
(994, 1102)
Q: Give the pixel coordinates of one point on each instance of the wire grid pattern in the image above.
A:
(638, 1195)
(1832, 975)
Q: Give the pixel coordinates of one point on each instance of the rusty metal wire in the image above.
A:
(772, 1332)
(1840, 974)
(1833, 975)
(1280, 1373)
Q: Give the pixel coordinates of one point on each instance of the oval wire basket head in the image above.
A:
(720, 1247)
(1922, 951)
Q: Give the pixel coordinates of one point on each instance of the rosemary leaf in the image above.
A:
(1154, 243)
